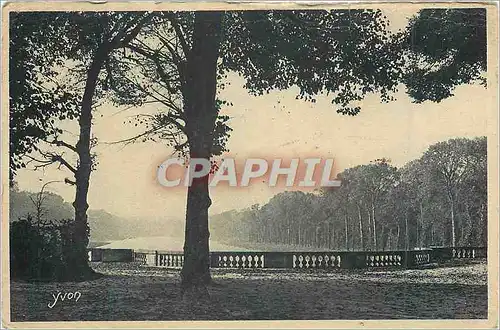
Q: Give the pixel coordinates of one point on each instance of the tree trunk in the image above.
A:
(288, 238)
(370, 238)
(389, 240)
(346, 231)
(452, 209)
(78, 261)
(300, 236)
(420, 226)
(374, 227)
(432, 235)
(407, 238)
(360, 219)
(328, 238)
(398, 240)
(483, 226)
(200, 110)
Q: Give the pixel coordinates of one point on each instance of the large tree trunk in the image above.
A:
(201, 113)
(78, 261)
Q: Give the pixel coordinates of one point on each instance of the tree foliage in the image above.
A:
(346, 53)
(445, 48)
(50, 54)
(35, 104)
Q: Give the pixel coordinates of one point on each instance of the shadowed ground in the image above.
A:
(130, 292)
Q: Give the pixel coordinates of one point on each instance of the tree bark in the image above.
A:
(201, 113)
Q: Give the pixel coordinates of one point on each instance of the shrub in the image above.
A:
(40, 251)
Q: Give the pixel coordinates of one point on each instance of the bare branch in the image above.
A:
(49, 159)
(122, 38)
(180, 34)
(60, 143)
(62, 161)
(170, 48)
(135, 31)
(134, 138)
(70, 182)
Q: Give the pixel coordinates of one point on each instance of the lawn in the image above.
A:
(131, 292)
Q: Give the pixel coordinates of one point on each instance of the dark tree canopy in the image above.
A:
(446, 48)
(34, 105)
(41, 46)
(346, 53)
(343, 53)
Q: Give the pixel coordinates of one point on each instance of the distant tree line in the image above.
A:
(437, 200)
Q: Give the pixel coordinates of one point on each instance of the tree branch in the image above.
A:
(180, 35)
(62, 161)
(116, 41)
(60, 143)
(70, 182)
(135, 31)
(50, 158)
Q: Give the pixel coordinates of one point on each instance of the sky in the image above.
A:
(274, 125)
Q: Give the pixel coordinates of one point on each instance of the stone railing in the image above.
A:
(463, 252)
(169, 259)
(237, 259)
(305, 260)
(316, 260)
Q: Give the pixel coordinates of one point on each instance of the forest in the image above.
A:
(439, 199)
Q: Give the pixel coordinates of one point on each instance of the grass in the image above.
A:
(129, 292)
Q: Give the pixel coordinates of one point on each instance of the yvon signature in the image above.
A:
(64, 296)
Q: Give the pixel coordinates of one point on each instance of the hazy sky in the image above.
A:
(272, 125)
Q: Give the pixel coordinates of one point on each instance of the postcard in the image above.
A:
(250, 165)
